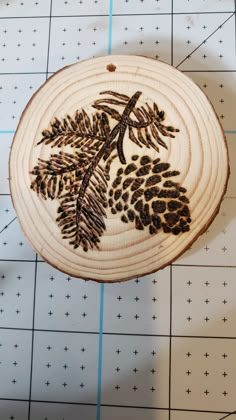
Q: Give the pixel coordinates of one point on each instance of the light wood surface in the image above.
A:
(118, 164)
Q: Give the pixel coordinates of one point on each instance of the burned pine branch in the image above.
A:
(56, 175)
(80, 180)
(82, 221)
(74, 132)
(147, 125)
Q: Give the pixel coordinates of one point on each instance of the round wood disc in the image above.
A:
(118, 164)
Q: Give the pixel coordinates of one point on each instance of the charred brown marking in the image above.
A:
(138, 223)
(152, 229)
(145, 215)
(143, 170)
(136, 195)
(170, 174)
(170, 184)
(158, 203)
(119, 206)
(166, 228)
(160, 167)
(176, 230)
(139, 205)
(171, 218)
(169, 194)
(153, 180)
(156, 220)
(184, 211)
(125, 196)
(159, 206)
(117, 194)
(150, 193)
(144, 160)
(124, 219)
(142, 188)
(127, 183)
(136, 184)
(116, 182)
(131, 215)
(120, 171)
(174, 205)
(130, 168)
(185, 228)
(184, 199)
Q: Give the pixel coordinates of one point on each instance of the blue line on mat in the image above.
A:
(110, 27)
(99, 392)
(100, 343)
(7, 131)
(230, 131)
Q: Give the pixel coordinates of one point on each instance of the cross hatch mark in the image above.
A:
(204, 41)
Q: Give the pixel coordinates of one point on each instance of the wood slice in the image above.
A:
(118, 164)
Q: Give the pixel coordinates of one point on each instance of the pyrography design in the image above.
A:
(144, 191)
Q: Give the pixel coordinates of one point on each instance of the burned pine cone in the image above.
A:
(145, 194)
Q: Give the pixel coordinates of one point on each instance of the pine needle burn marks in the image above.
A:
(79, 180)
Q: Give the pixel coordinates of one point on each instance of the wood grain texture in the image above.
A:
(118, 164)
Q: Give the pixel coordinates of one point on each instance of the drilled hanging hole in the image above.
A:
(111, 67)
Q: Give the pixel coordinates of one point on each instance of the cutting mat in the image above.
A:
(161, 347)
